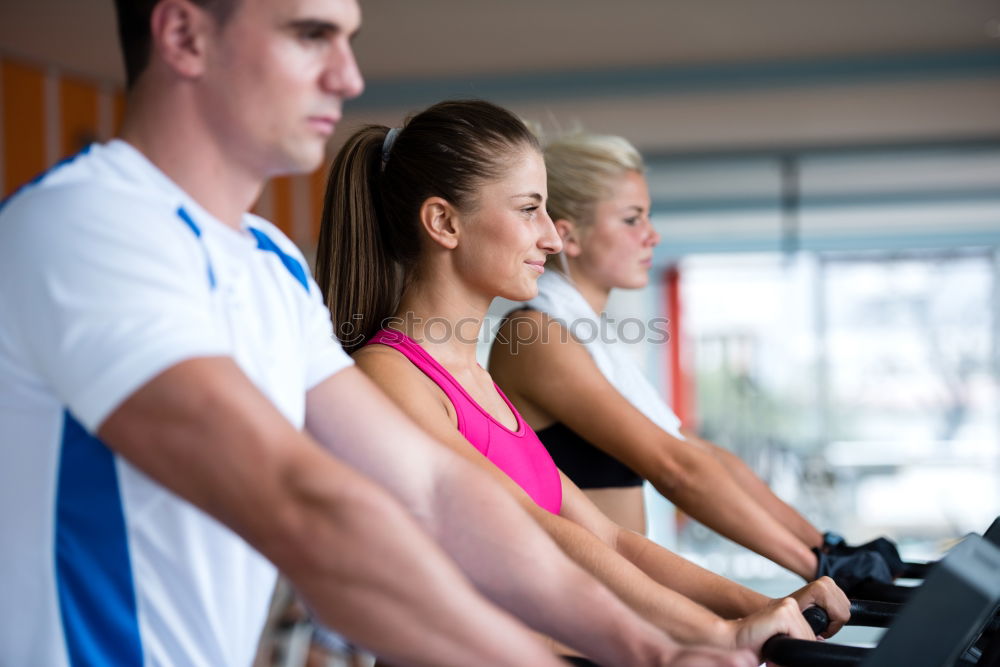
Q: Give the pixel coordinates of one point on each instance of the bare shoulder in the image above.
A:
(526, 317)
(543, 367)
(408, 386)
(532, 337)
(386, 365)
(525, 328)
(375, 357)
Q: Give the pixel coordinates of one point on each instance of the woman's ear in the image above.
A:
(570, 236)
(440, 220)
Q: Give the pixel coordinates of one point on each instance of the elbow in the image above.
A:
(314, 509)
(677, 474)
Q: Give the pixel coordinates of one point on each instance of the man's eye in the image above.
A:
(314, 35)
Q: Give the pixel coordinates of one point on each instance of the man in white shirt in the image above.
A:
(171, 393)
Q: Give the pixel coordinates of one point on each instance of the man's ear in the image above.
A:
(440, 220)
(180, 33)
(570, 236)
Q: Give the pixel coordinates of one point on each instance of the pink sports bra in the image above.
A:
(519, 453)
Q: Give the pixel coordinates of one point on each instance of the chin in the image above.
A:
(310, 163)
(525, 293)
(304, 159)
(637, 282)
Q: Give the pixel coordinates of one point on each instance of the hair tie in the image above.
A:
(390, 139)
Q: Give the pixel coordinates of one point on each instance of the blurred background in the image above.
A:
(825, 176)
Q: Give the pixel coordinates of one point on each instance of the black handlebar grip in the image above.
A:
(873, 614)
(880, 591)
(915, 570)
(783, 650)
(817, 618)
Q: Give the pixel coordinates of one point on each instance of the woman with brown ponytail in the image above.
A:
(422, 227)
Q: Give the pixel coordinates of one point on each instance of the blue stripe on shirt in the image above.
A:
(38, 179)
(93, 567)
(193, 226)
(290, 263)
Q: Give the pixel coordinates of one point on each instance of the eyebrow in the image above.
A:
(530, 195)
(314, 24)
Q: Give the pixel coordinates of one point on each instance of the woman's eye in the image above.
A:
(632, 221)
(529, 210)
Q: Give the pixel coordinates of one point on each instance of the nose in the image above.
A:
(652, 236)
(549, 241)
(342, 77)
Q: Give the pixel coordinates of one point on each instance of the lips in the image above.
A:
(538, 265)
(324, 124)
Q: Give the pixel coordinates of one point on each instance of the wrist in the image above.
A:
(831, 541)
(646, 646)
(755, 601)
(724, 633)
(809, 559)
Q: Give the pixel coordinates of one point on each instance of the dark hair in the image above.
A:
(135, 35)
(370, 234)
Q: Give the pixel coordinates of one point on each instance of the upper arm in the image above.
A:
(580, 509)
(409, 388)
(205, 432)
(553, 374)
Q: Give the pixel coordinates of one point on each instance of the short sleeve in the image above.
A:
(325, 354)
(102, 292)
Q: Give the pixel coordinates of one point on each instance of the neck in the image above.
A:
(183, 148)
(595, 295)
(446, 318)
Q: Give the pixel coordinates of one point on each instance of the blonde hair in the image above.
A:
(581, 168)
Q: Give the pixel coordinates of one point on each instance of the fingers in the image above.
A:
(782, 618)
(832, 598)
(825, 593)
(795, 624)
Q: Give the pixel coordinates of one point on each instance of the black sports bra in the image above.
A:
(588, 466)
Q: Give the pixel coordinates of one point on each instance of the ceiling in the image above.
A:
(449, 38)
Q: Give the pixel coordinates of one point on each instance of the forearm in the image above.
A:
(204, 432)
(430, 616)
(726, 598)
(779, 509)
(695, 481)
(514, 563)
(668, 609)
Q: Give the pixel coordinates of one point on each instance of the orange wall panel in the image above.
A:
(281, 189)
(23, 124)
(78, 115)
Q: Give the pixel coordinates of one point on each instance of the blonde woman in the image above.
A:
(601, 420)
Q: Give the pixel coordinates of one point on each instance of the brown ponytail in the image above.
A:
(353, 269)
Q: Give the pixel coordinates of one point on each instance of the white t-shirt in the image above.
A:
(110, 274)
